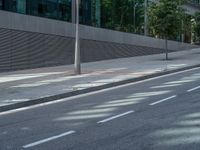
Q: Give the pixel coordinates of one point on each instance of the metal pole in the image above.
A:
(73, 11)
(134, 15)
(77, 64)
(145, 18)
(134, 18)
(182, 35)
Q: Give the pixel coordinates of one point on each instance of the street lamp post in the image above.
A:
(145, 18)
(77, 62)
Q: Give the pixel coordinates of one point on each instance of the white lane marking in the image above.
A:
(193, 89)
(163, 100)
(95, 92)
(115, 117)
(48, 139)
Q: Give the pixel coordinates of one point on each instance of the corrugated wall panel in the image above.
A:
(25, 50)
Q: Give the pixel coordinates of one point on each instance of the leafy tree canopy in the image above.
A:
(165, 18)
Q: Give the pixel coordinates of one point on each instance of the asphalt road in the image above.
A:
(156, 114)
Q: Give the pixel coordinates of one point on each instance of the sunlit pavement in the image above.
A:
(22, 86)
(158, 114)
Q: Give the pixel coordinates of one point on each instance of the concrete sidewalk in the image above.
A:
(21, 88)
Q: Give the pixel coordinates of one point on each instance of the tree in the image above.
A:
(165, 20)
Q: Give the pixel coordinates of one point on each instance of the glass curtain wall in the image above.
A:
(121, 15)
(55, 9)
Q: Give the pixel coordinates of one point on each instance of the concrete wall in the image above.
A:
(48, 26)
(31, 42)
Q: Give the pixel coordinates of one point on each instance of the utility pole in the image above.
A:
(77, 62)
(145, 18)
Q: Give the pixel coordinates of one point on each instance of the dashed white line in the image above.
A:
(193, 89)
(163, 100)
(48, 139)
(115, 117)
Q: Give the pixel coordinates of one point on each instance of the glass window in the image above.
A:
(21, 6)
(90, 12)
(64, 10)
(1, 4)
(123, 15)
(10, 5)
(14, 5)
(56, 9)
(36, 7)
(86, 12)
(51, 10)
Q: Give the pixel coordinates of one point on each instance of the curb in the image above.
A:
(88, 90)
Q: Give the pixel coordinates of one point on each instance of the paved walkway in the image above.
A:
(26, 85)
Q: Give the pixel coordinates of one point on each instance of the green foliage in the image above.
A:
(165, 18)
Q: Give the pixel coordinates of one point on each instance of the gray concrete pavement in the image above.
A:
(24, 86)
(172, 124)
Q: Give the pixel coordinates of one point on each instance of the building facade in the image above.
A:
(123, 15)
(39, 33)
